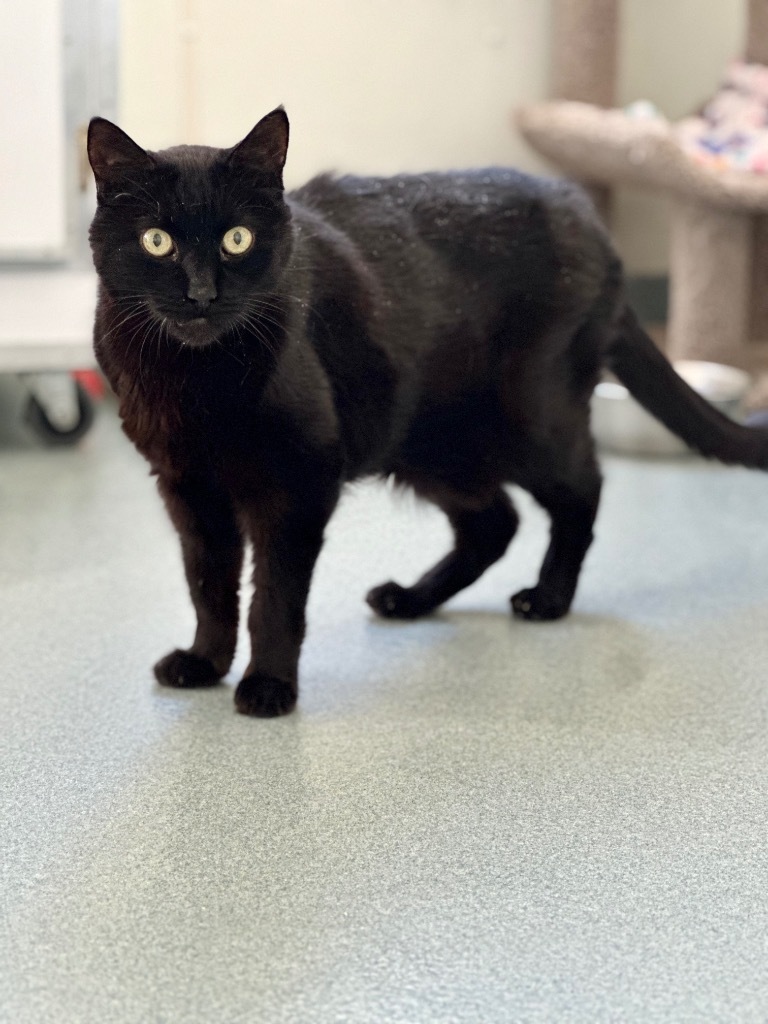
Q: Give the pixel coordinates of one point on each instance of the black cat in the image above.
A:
(444, 329)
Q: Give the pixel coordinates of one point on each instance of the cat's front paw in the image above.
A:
(186, 670)
(392, 601)
(537, 605)
(265, 696)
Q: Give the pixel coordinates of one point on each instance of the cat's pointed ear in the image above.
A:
(111, 152)
(265, 147)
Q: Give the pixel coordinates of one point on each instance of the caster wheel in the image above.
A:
(61, 429)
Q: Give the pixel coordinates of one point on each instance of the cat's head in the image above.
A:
(192, 237)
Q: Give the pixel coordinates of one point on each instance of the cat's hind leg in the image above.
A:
(571, 498)
(481, 538)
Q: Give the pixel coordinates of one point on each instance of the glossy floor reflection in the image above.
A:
(468, 819)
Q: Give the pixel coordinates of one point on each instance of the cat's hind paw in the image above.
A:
(265, 696)
(392, 601)
(536, 605)
(185, 670)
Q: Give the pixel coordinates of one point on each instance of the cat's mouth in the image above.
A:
(196, 333)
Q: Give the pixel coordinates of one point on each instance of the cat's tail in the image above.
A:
(651, 379)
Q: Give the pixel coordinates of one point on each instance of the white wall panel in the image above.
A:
(33, 165)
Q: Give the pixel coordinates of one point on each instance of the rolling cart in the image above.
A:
(61, 56)
(46, 326)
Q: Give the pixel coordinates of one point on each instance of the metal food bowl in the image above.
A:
(620, 424)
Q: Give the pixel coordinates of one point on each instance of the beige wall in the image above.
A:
(369, 85)
(387, 85)
(672, 53)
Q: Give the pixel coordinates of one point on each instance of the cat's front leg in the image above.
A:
(285, 552)
(212, 547)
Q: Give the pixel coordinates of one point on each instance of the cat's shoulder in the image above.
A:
(330, 190)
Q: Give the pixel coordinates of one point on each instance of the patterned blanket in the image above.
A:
(732, 130)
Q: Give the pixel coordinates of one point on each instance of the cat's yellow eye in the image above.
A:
(237, 241)
(157, 242)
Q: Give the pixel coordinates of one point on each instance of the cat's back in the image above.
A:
(481, 219)
(441, 199)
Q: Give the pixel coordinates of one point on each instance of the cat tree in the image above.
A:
(718, 261)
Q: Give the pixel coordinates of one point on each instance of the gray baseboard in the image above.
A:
(649, 297)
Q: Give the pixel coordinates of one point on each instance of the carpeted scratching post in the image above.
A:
(584, 51)
(710, 265)
(756, 49)
(719, 245)
(583, 65)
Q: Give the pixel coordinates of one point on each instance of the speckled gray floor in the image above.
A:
(468, 820)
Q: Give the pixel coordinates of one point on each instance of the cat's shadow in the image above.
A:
(427, 667)
(502, 662)
(508, 626)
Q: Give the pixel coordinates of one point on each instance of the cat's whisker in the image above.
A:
(141, 334)
(144, 337)
(255, 328)
(226, 348)
(257, 303)
(268, 321)
(269, 314)
(260, 334)
(164, 332)
(284, 303)
(266, 301)
(129, 316)
(265, 306)
(248, 364)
